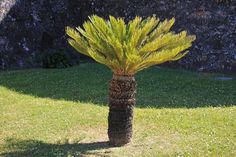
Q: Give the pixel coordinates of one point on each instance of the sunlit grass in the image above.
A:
(63, 112)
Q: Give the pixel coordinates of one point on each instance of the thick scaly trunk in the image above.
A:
(121, 104)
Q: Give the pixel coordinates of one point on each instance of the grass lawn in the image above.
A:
(63, 112)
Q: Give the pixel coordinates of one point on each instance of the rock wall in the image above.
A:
(29, 27)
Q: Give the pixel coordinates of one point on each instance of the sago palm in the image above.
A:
(127, 49)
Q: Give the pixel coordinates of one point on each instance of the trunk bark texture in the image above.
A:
(122, 92)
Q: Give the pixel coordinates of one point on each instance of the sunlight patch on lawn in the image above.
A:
(70, 115)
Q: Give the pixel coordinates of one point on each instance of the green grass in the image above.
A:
(63, 112)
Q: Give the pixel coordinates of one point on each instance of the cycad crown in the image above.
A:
(129, 48)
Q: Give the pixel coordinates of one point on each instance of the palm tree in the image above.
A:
(127, 49)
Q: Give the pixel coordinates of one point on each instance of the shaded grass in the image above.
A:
(157, 87)
(64, 113)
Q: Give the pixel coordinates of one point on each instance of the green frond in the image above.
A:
(97, 56)
(118, 27)
(129, 48)
(180, 55)
(149, 25)
(78, 47)
(117, 49)
(158, 43)
(132, 27)
(162, 28)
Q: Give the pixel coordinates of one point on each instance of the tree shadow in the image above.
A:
(157, 87)
(35, 148)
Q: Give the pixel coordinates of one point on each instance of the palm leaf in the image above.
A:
(129, 48)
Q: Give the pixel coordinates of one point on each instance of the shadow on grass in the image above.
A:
(34, 148)
(157, 87)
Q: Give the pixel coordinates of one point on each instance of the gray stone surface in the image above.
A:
(223, 78)
(29, 27)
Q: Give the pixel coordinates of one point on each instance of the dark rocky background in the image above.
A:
(30, 28)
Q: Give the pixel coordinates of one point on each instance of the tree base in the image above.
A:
(118, 142)
(120, 125)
